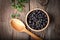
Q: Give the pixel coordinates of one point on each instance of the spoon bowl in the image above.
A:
(19, 26)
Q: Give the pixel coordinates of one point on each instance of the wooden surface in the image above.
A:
(51, 33)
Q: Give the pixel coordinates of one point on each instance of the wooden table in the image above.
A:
(51, 33)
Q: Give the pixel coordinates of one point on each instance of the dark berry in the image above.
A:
(37, 19)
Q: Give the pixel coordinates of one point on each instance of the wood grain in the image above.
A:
(54, 11)
(35, 4)
(51, 33)
(18, 35)
(5, 29)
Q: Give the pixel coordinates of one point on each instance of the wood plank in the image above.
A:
(8, 33)
(5, 29)
(0, 20)
(18, 35)
(53, 9)
(35, 4)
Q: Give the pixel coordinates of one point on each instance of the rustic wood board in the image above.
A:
(51, 33)
(53, 9)
(6, 31)
(18, 35)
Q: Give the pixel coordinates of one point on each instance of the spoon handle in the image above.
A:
(32, 35)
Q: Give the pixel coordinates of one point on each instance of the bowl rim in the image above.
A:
(42, 28)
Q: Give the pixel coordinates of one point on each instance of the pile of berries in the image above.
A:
(37, 19)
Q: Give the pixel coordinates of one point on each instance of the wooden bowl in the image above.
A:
(30, 26)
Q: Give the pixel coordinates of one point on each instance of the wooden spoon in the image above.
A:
(19, 26)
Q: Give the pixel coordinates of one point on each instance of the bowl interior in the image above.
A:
(37, 20)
